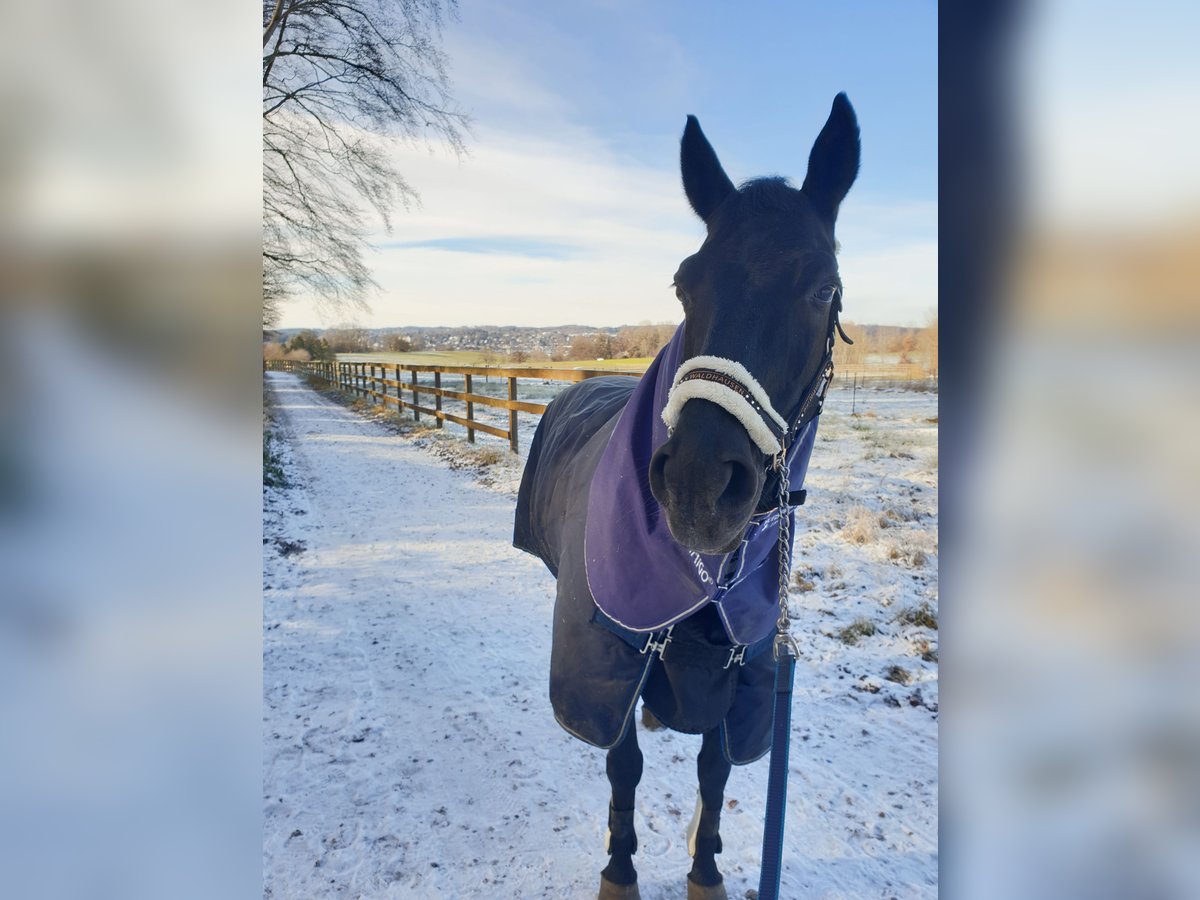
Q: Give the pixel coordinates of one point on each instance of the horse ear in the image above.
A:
(704, 181)
(833, 162)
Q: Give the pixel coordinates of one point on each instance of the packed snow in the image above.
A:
(409, 745)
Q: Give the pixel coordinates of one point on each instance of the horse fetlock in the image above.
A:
(618, 881)
(704, 843)
(704, 871)
(703, 834)
(620, 837)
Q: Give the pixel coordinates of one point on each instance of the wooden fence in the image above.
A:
(370, 379)
(896, 373)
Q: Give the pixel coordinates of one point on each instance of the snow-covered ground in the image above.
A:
(409, 745)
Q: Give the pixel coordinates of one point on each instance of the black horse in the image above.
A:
(659, 516)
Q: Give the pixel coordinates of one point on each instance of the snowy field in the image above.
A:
(409, 745)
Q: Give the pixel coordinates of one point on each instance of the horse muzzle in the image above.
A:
(707, 478)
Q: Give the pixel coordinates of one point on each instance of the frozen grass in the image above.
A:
(862, 526)
(859, 628)
(273, 474)
(803, 581)
(921, 616)
(925, 650)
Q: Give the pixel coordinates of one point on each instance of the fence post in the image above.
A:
(416, 414)
(467, 386)
(512, 415)
(437, 400)
(399, 397)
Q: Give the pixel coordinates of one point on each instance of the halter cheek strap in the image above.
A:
(729, 385)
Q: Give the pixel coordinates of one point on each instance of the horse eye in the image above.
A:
(828, 293)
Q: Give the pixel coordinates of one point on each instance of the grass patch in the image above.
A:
(926, 650)
(914, 557)
(862, 526)
(898, 674)
(489, 456)
(273, 474)
(921, 616)
(896, 515)
(856, 630)
(803, 581)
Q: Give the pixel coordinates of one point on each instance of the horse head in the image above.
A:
(760, 298)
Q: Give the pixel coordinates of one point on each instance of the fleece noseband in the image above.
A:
(730, 385)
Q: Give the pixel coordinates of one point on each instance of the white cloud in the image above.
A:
(628, 226)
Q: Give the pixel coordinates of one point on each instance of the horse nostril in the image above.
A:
(740, 487)
(727, 484)
(658, 473)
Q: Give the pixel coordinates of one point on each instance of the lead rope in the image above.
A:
(786, 653)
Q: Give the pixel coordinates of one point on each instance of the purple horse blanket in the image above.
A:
(586, 510)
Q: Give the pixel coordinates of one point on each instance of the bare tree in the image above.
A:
(340, 77)
(348, 339)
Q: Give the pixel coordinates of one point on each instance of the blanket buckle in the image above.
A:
(658, 646)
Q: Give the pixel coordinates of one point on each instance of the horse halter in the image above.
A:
(729, 385)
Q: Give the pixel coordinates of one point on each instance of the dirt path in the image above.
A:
(409, 746)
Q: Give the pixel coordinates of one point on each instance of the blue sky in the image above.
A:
(568, 207)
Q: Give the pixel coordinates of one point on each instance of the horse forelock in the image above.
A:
(771, 193)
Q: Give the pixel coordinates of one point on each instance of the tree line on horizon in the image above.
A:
(905, 345)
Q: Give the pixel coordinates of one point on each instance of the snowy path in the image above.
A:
(409, 746)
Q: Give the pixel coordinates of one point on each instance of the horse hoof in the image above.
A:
(610, 891)
(710, 892)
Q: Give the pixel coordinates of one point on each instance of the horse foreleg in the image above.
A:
(618, 881)
(704, 838)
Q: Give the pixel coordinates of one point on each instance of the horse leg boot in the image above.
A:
(618, 881)
(704, 838)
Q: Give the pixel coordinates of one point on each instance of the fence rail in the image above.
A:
(384, 382)
(370, 379)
